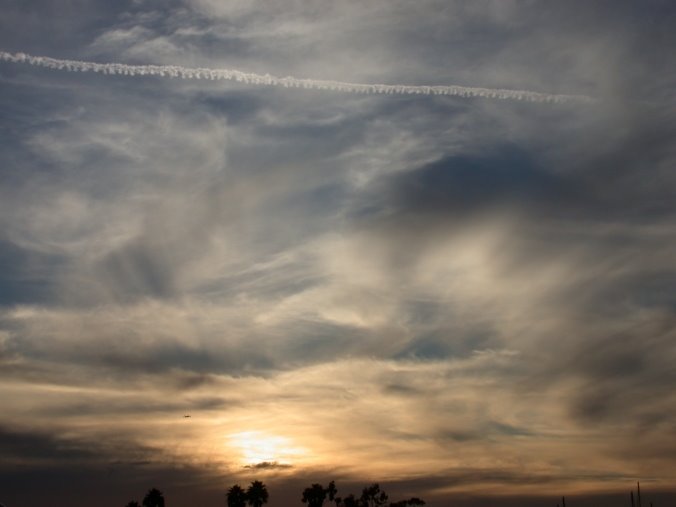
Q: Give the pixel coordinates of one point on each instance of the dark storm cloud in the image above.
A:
(615, 169)
(458, 186)
(25, 445)
(50, 450)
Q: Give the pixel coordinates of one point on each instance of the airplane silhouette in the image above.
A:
(187, 415)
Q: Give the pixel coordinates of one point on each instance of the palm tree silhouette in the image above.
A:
(314, 496)
(236, 496)
(257, 494)
(153, 498)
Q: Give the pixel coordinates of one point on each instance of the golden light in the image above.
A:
(259, 447)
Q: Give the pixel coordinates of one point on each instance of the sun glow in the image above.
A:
(258, 447)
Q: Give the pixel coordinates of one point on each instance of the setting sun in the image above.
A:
(259, 447)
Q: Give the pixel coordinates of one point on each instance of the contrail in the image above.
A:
(286, 82)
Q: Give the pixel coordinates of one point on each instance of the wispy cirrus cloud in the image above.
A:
(457, 295)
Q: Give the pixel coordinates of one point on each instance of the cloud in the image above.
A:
(23, 445)
(268, 465)
(466, 297)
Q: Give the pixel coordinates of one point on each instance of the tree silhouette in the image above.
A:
(236, 496)
(373, 496)
(406, 503)
(331, 491)
(257, 494)
(153, 498)
(314, 496)
(349, 501)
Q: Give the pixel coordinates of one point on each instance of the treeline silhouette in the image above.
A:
(372, 496)
(631, 496)
(153, 498)
(314, 496)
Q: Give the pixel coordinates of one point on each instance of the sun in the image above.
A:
(259, 447)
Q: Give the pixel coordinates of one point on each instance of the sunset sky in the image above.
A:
(467, 299)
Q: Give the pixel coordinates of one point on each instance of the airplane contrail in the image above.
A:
(177, 71)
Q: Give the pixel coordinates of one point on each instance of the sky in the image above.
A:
(469, 299)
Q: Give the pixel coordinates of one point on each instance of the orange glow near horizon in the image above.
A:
(259, 447)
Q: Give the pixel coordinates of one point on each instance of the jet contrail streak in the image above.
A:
(286, 82)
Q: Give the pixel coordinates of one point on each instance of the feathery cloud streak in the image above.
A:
(288, 81)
